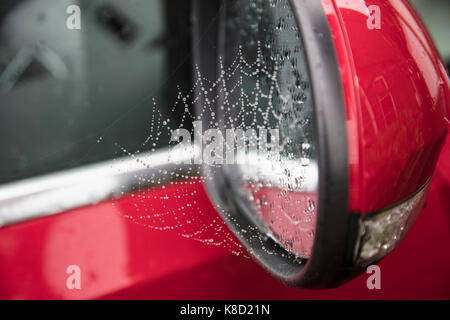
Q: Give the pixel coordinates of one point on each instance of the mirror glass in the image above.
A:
(265, 110)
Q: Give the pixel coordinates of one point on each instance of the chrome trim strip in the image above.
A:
(62, 191)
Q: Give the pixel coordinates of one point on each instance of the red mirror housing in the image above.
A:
(396, 91)
(381, 95)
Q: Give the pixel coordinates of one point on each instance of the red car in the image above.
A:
(119, 176)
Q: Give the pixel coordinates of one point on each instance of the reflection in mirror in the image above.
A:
(266, 100)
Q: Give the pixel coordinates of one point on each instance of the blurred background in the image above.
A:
(436, 14)
(74, 97)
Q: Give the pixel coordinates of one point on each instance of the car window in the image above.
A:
(70, 97)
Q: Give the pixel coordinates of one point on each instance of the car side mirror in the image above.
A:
(327, 128)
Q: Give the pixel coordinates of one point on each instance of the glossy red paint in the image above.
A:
(117, 244)
(396, 94)
(121, 258)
